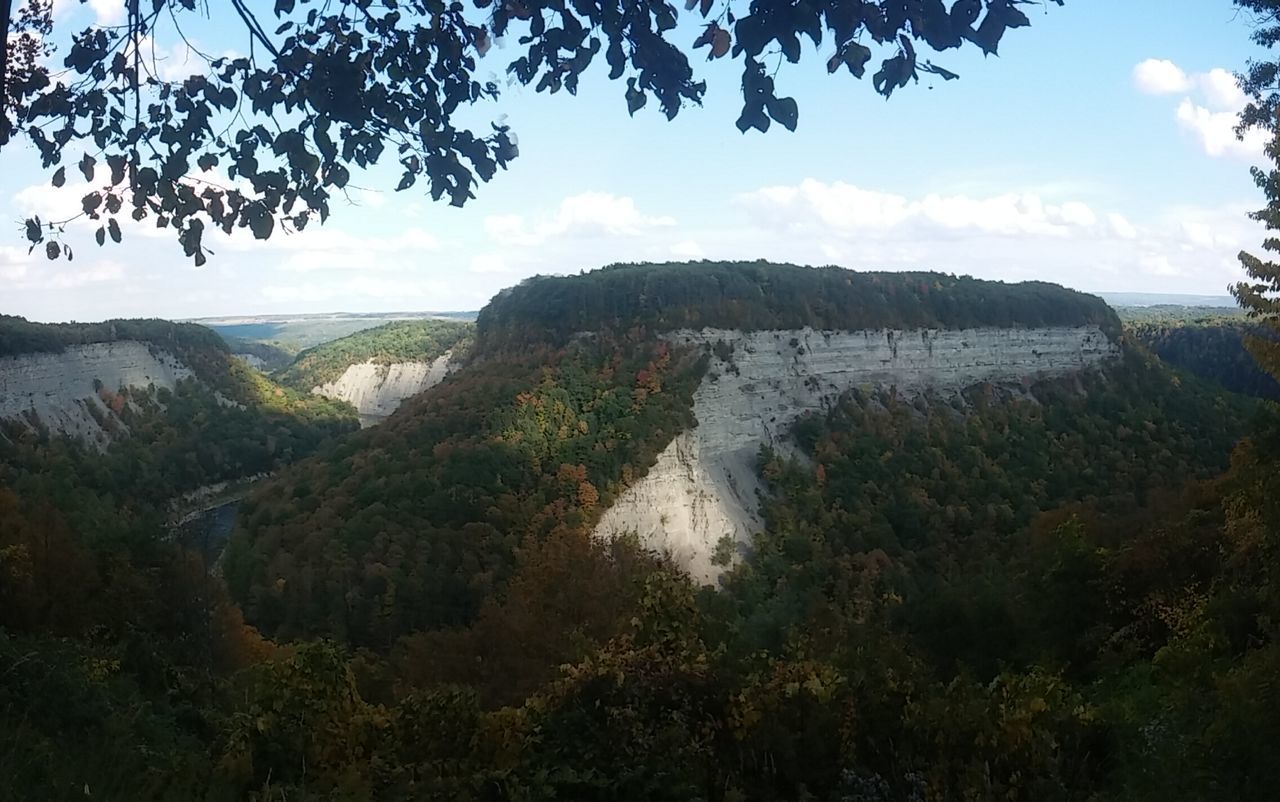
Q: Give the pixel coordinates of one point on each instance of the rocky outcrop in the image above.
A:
(57, 390)
(376, 390)
(703, 488)
(253, 360)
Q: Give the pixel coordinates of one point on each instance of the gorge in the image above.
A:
(704, 486)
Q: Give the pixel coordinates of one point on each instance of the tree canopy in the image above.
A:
(1259, 295)
(262, 141)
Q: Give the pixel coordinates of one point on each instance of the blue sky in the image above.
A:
(1095, 152)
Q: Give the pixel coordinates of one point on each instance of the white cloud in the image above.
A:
(1012, 236)
(1121, 226)
(1158, 265)
(99, 273)
(1216, 131)
(1222, 90)
(1160, 77)
(687, 249)
(1210, 107)
(14, 263)
(106, 12)
(390, 294)
(489, 263)
(325, 248)
(586, 215)
(848, 209)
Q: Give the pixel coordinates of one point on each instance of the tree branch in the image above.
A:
(6, 17)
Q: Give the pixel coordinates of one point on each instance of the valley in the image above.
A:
(758, 500)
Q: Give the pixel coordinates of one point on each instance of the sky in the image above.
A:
(1096, 152)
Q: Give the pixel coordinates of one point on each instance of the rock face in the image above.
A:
(253, 360)
(58, 388)
(376, 390)
(703, 487)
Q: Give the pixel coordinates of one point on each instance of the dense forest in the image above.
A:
(398, 341)
(761, 295)
(1051, 590)
(1212, 346)
(272, 355)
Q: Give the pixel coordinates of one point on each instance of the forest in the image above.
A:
(1212, 346)
(1055, 589)
(761, 295)
(398, 341)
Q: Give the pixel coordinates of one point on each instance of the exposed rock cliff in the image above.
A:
(703, 486)
(376, 390)
(58, 388)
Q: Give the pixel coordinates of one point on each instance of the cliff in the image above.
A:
(376, 390)
(57, 389)
(704, 485)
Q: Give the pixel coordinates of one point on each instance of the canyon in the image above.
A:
(702, 492)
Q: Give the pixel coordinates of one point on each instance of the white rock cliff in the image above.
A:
(376, 390)
(704, 486)
(58, 388)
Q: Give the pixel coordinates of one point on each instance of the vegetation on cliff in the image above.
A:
(1046, 590)
(760, 295)
(398, 341)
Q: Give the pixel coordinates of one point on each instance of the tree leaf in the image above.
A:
(720, 43)
(784, 110)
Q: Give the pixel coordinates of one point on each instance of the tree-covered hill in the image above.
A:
(398, 341)
(762, 295)
(271, 357)
(1211, 346)
(1047, 590)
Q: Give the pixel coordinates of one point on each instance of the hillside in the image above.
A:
(761, 296)
(1210, 345)
(66, 377)
(264, 356)
(982, 551)
(375, 369)
(659, 434)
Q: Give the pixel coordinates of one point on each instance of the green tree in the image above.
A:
(360, 82)
(1259, 295)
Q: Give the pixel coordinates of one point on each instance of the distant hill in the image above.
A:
(265, 356)
(297, 332)
(66, 371)
(396, 342)
(1166, 299)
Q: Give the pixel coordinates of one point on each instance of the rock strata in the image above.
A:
(59, 390)
(377, 390)
(703, 487)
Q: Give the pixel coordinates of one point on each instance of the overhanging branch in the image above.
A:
(6, 18)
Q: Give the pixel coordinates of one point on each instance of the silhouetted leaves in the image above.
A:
(359, 80)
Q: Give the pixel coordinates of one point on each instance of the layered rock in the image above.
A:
(57, 390)
(703, 488)
(377, 390)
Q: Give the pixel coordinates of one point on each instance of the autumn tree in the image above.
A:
(262, 140)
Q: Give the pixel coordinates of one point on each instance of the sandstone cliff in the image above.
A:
(704, 486)
(377, 390)
(57, 390)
